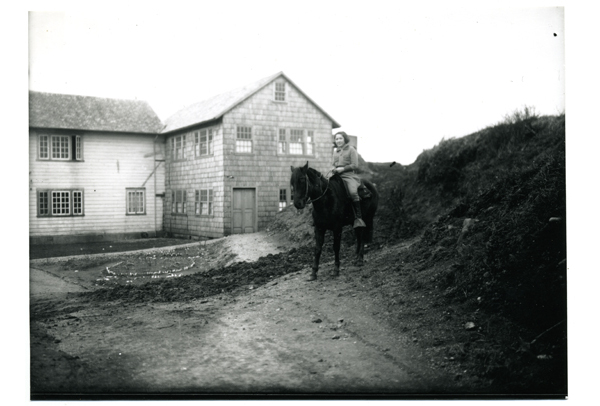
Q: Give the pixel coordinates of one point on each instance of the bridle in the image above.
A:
(307, 183)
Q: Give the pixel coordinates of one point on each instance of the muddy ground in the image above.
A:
(237, 316)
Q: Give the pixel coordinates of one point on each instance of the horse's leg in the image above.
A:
(319, 239)
(360, 245)
(337, 242)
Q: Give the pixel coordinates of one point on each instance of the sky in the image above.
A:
(401, 78)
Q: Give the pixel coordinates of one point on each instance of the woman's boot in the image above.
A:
(358, 221)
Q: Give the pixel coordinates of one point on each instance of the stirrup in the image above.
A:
(359, 223)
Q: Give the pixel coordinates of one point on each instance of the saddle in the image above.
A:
(363, 191)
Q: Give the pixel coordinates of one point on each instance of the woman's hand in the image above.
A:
(339, 169)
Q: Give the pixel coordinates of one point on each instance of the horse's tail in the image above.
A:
(370, 212)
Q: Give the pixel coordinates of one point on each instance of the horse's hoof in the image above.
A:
(312, 277)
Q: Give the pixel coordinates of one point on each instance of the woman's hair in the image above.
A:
(343, 134)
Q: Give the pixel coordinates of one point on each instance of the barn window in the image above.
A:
(309, 142)
(282, 199)
(60, 203)
(243, 142)
(136, 201)
(282, 146)
(279, 94)
(178, 201)
(203, 142)
(60, 147)
(298, 142)
(178, 147)
(204, 202)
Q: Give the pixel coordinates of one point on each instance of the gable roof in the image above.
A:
(62, 111)
(217, 106)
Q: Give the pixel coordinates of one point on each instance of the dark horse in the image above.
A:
(332, 210)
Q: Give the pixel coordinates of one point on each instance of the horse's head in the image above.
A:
(299, 184)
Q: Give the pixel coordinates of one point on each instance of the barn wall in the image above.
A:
(265, 169)
(190, 174)
(112, 163)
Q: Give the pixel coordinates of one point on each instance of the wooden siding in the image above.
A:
(112, 163)
(265, 169)
(191, 174)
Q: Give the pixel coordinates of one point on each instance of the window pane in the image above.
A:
(244, 133)
(43, 147)
(43, 202)
(64, 147)
(203, 143)
(309, 143)
(61, 203)
(77, 203)
(282, 199)
(60, 146)
(280, 91)
(295, 148)
(78, 155)
(243, 146)
(55, 148)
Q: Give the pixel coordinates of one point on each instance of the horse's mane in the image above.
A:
(334, 182)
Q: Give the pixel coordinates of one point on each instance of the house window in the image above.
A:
(60, 147)
(243, 142)
(204, 202)
(178, 147)
(203, 142)
(178, 201)
(78, 148)
(298, 142)
(60, 203)
(282, 199)
(279, 91)
(43, 147)
(43, 204)
(77, 203)
(136, 201)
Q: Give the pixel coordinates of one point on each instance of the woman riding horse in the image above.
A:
(345, 163)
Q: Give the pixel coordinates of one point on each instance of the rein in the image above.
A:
(323, 194)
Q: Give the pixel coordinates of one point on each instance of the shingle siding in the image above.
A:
(265, 169)
(191, 174)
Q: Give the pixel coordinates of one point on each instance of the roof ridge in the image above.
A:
(235, 96)
(89, 97)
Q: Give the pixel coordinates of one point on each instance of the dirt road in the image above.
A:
(287, 336)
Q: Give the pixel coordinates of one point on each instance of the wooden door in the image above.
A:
(244, 211)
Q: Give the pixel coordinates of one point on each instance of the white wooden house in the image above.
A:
(225, 168)
(94, 169)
